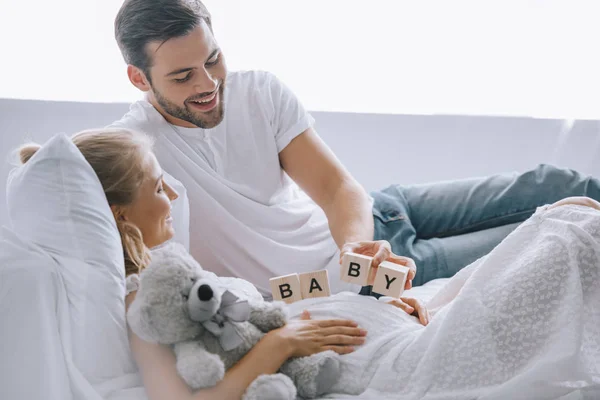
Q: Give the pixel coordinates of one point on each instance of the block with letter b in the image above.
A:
(315, 284)
(355, 268)
(390, 279)
(286, 288)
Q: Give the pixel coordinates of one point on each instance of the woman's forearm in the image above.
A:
(162, 381)
(266, 357)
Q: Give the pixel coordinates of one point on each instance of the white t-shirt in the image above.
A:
(248, 219)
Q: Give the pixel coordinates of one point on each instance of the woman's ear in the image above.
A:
(118, 213)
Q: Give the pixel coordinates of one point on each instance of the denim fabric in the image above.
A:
(445, 226)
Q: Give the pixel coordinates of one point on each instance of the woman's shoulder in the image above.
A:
(132, 283)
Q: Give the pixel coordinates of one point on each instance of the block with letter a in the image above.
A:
(355, 268)
(315, 284)
(286, 288)
(390, 279)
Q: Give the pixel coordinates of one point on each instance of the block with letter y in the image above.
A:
(390, 279)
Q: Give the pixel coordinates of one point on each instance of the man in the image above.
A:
(267, 197)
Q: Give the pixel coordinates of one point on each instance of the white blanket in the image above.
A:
(521, 323)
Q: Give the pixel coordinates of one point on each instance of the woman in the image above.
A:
(141, 203)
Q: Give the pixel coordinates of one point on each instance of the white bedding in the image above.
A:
(424, 292)
(520, 323)
(524, 323)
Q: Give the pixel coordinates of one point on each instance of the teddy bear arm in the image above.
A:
(198, 367)
(268, 315)
(313, 375)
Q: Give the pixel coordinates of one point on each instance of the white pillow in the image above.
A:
(31, 346)
(55, 202)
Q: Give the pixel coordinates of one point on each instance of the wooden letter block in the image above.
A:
(355, 268)
(286, 288)
(315, 284)
(390, 279)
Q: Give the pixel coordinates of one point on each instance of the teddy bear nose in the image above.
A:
(205, 292)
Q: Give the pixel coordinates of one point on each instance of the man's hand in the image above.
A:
(380, 251)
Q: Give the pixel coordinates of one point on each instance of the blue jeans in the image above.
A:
(445, 226)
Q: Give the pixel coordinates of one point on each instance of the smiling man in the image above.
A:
(198, 110)
(267, 196)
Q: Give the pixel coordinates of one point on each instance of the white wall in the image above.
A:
(377, 149)
(465, 57)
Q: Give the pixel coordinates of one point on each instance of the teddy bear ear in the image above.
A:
(141, 321)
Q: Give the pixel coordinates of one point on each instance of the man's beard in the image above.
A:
(201, 120)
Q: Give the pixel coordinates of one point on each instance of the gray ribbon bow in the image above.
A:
(221, 325)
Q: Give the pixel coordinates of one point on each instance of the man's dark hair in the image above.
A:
(140, 22)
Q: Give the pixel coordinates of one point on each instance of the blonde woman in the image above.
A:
(140, 199)
(141, 203)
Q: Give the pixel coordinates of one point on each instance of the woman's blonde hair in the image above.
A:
(118, 157)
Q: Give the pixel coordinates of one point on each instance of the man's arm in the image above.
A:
(314, 167)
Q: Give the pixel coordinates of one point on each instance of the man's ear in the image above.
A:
(138, 78)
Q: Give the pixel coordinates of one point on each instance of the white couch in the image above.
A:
(377, 149)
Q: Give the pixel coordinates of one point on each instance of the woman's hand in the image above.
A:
(577, 200)
(306, 336)
(380, 250)
(413, 307)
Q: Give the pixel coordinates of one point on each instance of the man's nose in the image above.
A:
(205, 84)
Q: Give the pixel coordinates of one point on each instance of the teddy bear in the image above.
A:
(212, 322)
